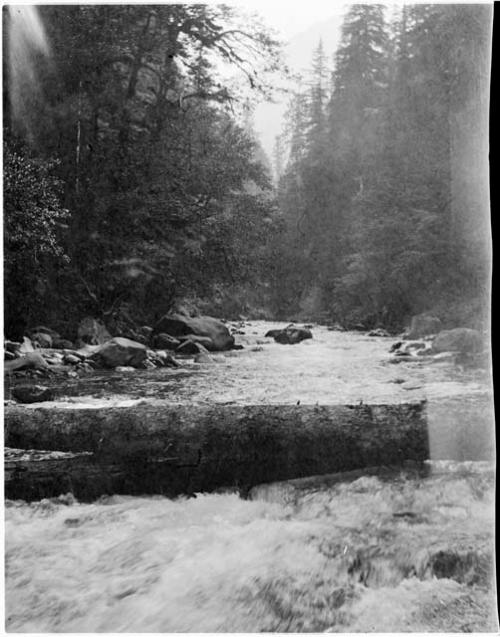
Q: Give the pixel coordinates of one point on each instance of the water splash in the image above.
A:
(401, 554)
(27, 46)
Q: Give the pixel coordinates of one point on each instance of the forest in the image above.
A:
(134, 182)
(248, 389)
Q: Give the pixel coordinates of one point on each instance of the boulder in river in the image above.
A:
(32, 393)
(121, 352)
(180, 325)
(423, 325)
(459, 339)
(92, 332)
(291, 335)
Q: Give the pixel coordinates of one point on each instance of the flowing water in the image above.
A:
(410, 551)
(373, 554)
(331, 368)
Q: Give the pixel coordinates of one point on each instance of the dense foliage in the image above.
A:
(140, 184)
(161, 174)
(385, 188)
(33, 218)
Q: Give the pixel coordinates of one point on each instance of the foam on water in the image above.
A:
(359, 556)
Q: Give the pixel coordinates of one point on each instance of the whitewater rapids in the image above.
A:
(371, 555)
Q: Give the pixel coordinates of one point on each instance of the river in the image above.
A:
(411, 551)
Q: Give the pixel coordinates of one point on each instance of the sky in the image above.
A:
(291, 18)
(300, 25)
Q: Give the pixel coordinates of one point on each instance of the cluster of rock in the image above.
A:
(426, 337)
(43, 352)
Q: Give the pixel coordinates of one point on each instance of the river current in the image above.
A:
(412, 551)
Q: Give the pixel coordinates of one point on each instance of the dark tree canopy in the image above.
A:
(166, 192)
(134, 181)
(393, 197)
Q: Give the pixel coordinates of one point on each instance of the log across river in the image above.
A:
(268, 412)
(176, 449)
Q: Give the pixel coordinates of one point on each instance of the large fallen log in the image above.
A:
(174, 449)
(34, 475)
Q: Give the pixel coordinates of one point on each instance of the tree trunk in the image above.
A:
(174, 449)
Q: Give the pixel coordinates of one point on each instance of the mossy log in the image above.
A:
(175, 449)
